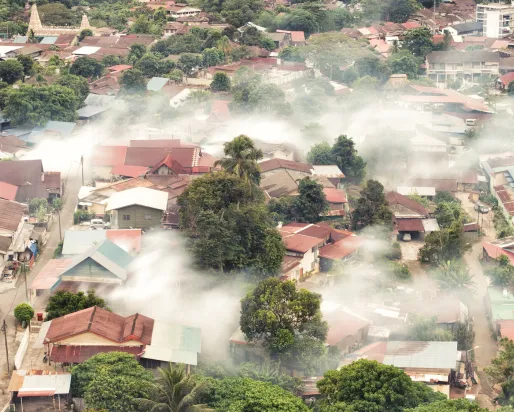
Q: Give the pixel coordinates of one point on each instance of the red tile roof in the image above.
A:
(507, 78)
(170, 163)
(79, 354)
(341, 248)
(298, 36)
(8, 191)
(220, 111)
(334, 195)
(411, 25)
(300, 243)
(342, 324)
(494, 251)
(128, 239)
(108, 155)
(506, 329)
(410, 225)
(50, 273)
(10, 214)
(119, 68)
(129, 171)
(395, 198)
(103, 323)
(274, 164)
(164, 143)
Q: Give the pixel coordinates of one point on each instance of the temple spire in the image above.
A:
(84, 24)
(35, 21)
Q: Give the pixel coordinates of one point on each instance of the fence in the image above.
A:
(22, 350)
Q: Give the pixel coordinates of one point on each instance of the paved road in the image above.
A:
(13, 297)
(487, 346)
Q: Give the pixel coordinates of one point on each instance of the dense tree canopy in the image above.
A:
(37, 105)
(286, 320)
(11, 71)
(229, 226)
(454, 405)
(248, 395)
(221, 83)
(86, 67)
(372, 207)
(62, 303)
(76, 83)
(368, 386)
(112, 381)
(241, 157)
(132, 81)
(418, 41)
(345, 156)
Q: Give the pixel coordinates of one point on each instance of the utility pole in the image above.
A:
(4, 329)
(82, 164)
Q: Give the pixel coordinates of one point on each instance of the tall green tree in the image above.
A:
(372, 207)
(241, 157)
(346, 157)
(453, 405)
(132, 81)
(36, 105)
(151, 65)
(418, 41)
(221, 83)
(286, 320)
(229, 227)
(63, 303)
(320, 154)
(136, 52)
(112, 381)
(426, 330)
(368, 386)
(445, 244)
(28, 64)
(404, 62)
(76, 83)
(245, 395)
(175, 391)
(11, 71)
(87, 67)
(311, 203)
(454, 275)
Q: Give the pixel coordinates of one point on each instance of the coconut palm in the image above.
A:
(175, 391)
(241, 158)
(454, 275)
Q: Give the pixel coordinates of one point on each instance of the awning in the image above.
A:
(36, 392)
(410, 225)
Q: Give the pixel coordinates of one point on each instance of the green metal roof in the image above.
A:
(502, 306)
(115, 253)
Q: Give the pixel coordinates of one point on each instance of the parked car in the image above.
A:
(99, 224)
(407, 237)
(480, 207)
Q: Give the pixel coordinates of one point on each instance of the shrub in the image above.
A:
(400, 271)
(81, 216)
(24, 312)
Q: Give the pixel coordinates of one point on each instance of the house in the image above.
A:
(275, 150)
(337, 201)
(428, 192)
(104, 158)
(331, 172)
(410, 217)
(80, 241)
(496, 19)
(445, 66)
(297, 37)
(504, 81)
(95, 106)
(347, 330)
(273, 166)
(12, 146)
(30, 178)
(174, 27)
(177, 11)
(250, 24)
(7, 191)
(138, 208)
(499, 172)
(281, 39)
(76, 337)
(285, 183)
(505, 329)
(501, 247)
(429, 362)
(55, 129)
(104, 265)
(500, 305)
(45, 389)
(193, 20)
(465, 29)
(440, 185)
(11, 225)
(331, 245)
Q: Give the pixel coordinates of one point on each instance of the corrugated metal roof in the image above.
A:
(156, 83)
(21, 40)
(426, 355)
(80, 241)
(59, 383)
(48, 40)
(142, 196)
(90, 111)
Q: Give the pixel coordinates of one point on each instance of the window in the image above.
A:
(148, 217)
(126, 217)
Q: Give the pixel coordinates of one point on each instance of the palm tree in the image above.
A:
(175, 391)
(454, 275)
(241, 158)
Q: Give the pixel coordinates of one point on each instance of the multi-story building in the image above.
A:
(446, 66)
(497, 18)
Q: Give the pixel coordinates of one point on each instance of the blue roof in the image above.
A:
(64, 128)
(156, 83)
(20, 40)
(48, 40)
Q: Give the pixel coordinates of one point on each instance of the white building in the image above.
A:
(496, 18)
